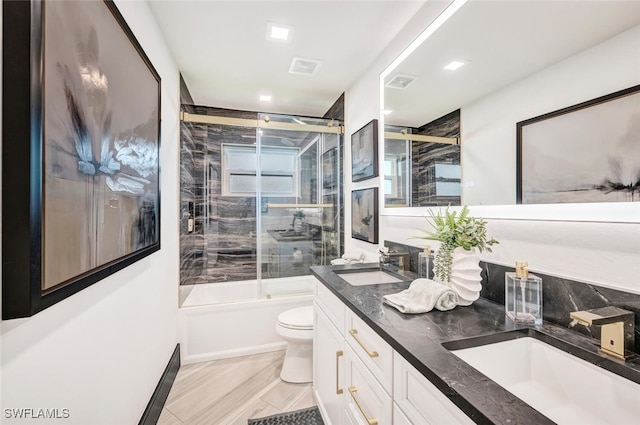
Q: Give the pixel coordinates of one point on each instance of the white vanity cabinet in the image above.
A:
(419, 401)
(366, 401)
(328, 355)
(371, 349)
(359, 379)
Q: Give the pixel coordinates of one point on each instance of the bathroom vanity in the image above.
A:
(375, 365)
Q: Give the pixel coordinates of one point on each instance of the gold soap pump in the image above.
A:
(522, 269)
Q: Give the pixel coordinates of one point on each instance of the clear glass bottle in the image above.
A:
(424, 262)
(523, 295)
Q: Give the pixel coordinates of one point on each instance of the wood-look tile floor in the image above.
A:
(231, 391)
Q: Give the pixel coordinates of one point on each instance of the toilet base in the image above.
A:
(297, 367)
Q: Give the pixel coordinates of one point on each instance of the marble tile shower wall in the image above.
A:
(423, 176)
(560, 296)
(222, 246)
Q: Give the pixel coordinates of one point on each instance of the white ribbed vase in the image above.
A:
(465, 275)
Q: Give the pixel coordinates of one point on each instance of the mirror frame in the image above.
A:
(608, 212)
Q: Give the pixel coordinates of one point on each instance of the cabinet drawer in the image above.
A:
(420, 401)
(331, 305)
(374, 352)
(366, 402)
(399, 417)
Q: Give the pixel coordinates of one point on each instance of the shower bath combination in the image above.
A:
(266, 196)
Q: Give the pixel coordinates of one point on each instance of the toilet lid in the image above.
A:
(297, 318)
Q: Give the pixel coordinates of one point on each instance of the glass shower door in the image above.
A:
(297, 200)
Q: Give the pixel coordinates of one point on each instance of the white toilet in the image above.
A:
(296, 327)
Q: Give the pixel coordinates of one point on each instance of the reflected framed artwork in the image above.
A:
(589, 152)
(81, 174)
(329, 168)
(364, 152)
(364, 214)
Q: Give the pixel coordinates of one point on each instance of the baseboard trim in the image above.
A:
(234, 352)
(159, 397)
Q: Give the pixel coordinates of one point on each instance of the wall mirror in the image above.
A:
(516, 61)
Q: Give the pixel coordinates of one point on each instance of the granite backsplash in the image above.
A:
(560, 295)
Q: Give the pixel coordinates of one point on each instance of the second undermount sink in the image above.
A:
(367, 277)
(563, 387)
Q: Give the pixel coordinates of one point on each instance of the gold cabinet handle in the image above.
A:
(353, 333)
(339, 354)
(370, 421)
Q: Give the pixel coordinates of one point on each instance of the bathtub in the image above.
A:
(221, 320)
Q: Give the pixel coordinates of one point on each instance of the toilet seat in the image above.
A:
(298, 318)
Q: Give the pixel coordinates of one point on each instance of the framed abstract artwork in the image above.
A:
(81, 144)
(364, 214)
(329, 169)
(589, 152)
(364, 152)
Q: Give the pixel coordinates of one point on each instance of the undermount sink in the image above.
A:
(367, 277)
(561, 386)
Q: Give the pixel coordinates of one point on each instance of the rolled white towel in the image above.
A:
(353, 257)
(422, 296)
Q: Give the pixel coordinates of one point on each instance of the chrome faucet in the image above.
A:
(617, 332)
(404, 259)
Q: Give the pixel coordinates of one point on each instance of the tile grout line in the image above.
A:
(235, 414)
(299, 397)
(173, 414)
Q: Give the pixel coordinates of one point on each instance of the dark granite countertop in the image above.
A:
(288, 236)
(419, 338)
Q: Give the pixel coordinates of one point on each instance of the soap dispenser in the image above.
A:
(424, 262)
(523, 295)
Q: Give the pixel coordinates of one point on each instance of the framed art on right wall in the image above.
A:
(589, 152)
(364, 152)
(364, 214)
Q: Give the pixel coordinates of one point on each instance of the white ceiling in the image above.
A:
(504, 41)
(221, 49)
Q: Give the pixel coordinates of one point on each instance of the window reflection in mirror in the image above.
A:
(418, 170)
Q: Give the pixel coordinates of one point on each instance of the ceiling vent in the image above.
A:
(304, 66)
(400, 81)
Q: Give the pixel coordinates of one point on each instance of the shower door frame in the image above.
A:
(265, 123)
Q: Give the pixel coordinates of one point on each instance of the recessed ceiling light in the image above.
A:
(265, 98)
(279, 32)
(386, 112)
(455, 64)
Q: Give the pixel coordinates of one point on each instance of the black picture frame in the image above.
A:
(580, 154)
(364, 152)
(329, 169)
(364, 214)
(116, 163)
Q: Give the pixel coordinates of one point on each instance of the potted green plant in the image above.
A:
(296, 224)
(456, 262)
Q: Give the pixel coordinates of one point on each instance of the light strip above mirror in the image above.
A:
(433, 27)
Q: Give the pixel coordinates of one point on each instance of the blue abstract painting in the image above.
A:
(100, 142)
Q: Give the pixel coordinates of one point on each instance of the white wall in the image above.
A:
(362, 104)
(488, 125)
(101, 352)
(607, 254)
